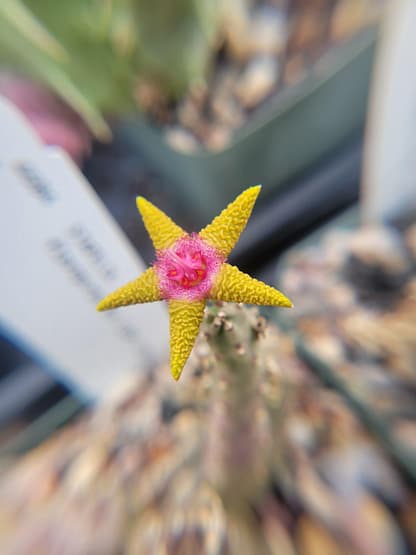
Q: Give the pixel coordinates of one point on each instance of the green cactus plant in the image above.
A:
(91, 52)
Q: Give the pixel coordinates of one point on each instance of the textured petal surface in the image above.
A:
(162, 230)
(225, 229)
(182, 260)
(235, 286)
(144, 289)
(185, 319)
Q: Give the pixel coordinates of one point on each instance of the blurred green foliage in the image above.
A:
(91, 51)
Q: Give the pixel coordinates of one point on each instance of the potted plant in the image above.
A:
(104, 58)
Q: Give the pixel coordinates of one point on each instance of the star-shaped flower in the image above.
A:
(192, 268)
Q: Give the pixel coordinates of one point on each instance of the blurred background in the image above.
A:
(190, 102)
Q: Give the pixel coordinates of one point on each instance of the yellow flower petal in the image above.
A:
(235, 286)
(223, 232)
(185, 319)
(144, 289)
(162, 230)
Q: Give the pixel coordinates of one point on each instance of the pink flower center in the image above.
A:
(186, 270)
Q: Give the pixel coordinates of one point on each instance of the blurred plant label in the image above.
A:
(61, 253)
(17, 136)
(389, 178)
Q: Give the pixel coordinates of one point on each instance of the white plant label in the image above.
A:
(61, 252)
(389, 177)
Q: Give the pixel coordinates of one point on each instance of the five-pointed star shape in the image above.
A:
(192, 268)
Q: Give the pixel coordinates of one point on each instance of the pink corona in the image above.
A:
(186, 271)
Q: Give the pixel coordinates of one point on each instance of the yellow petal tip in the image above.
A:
(140, 202)
(233, 285)
(224, 230)
(162, 230)
(176, 374)
(185, 319)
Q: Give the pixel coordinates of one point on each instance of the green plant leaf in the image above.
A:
(17, 14)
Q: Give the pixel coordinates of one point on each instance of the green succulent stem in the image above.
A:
(238, 419)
